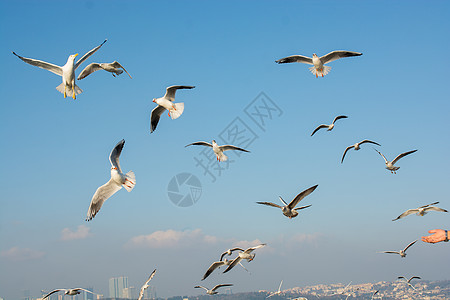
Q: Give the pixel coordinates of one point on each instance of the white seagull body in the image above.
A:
(113, 68)
(246, 254)
(408, 281)
(329, 127)
(67, 72)
(318, 68)
(357, 146)
(70, 292)
(289, 210)
(213, 290)
(402, 253)
(117, 181)
(218, 150)
(146, 285)
(277, 292)
(421, 211)
(166, 103)
(390, 164)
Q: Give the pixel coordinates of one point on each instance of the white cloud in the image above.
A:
(170, 238)
(21, 254)
(82, 232)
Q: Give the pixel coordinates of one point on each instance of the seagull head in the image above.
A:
(214, 142)
(73, 56)
(113, 168)
(154, 100)
(315, 55)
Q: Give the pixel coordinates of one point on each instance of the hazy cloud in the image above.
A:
(21, 254)
(170, 238)
(81, 233)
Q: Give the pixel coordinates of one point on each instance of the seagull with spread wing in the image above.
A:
(421, 211)
(357, 147)
(67, 72)
(289, 210)
(318, 68)
(218, 150)
(166, 103)
(329, 127)
(114, 68)
(146, 285)
(218, 264)
(246, 254)
(408, 281)
(390, 164)
(402, 253)
(70, 292)
(117, 181)
(212, 291)
(277, 292)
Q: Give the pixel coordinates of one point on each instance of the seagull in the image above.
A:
(213, 290)
(421, 211)
(318, 67)
(218, 150)
(374, 293)
(218, 264)
(343, 291)
(357, 147)
(289, 210)
(402, 253)
(230, 251)
(390, 164)
(145, 286)
(118, 179)
(67, 72)
(166, 102)
(409, 280)
(70, 292)
(113, 67)
(330, 127)
(246, 254)
(277, 292)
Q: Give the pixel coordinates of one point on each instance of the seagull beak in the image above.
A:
(75, 55)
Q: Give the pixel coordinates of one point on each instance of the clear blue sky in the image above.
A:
(55, 150)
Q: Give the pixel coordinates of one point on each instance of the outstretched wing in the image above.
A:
(200, 144)
(100, 196)
(115, 154)
(171, 90)
(200, 287)
(407, 213)
(302, 207)
(91, 68)
(302, 195)
(251, 249)
(369, 141)
(233, 263)
(231, 147)
(434, 208)
(345, 152)
(219, 286)
(295, 58)
(402, 155)
(434, 203)
(381, 155)
(393, 252)
(155, 116)
(231, 250)
(332, 56)
(211, 268)
(269, 204)
(144, 287)
(41, 64)
(86, 56)
(414, 277)
(52, 292)
(117, 65)
(412, 243)
(338, 118)
(319, 127)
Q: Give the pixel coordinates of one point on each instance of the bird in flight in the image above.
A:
(212, 291)
(421, 211)
(402, 253)
(146, 285)
(218, 150)
(70, 292)
(329, 127)
(357, 147)
(246, 254)
(408, 281)
(114, 68)
(390, 164)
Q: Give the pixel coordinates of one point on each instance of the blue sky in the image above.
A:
(56, 150)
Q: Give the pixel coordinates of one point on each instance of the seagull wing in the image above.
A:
(211, 268)
(406, 248)
(269, 204)
(154, 117)
(402, 277)
(332, 56)
(116, 65)
(200, 144)
(381, 155)
(200, 287)
(393, 252)
(231, 147)
(434, 203)
(434, 208)
(407, 213)
(414, 277)
(41, 64)
(231, 250)
(295, 58)
(86, 56)
(100, 196)
(233, 263)
(369, 141)
(319, 127)
(220, 285)
(345, 152)
(91, 68)
(302, 195)
(339, 117)
(402, 155)
(115, 154)
(145, 286)
(52, 292)
(302, 207)
(171, 90)
(150, 277)
(81, 289)
(249, 250)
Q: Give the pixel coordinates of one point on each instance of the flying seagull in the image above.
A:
(343, 291)
(246, 254)
(218, 150)
(218, 264)
(146, 285)
(357, 147)
(67, 72)
(118, 179)
(421, 211)
(408, 281)
(113, 68)
(402, 253)
(289, 210)
(318, 67)
(166, 102)
(70, 292)
(277, 292)
(374, 293)
(213, 290)
(329, 127)
(230, 251)
(390, 164)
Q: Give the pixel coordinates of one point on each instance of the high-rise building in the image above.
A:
(117, 286)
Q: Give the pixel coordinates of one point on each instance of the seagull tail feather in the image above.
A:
(69, 92)
(131, 181)
(176, 113)
(223, 157)
(326, 70)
